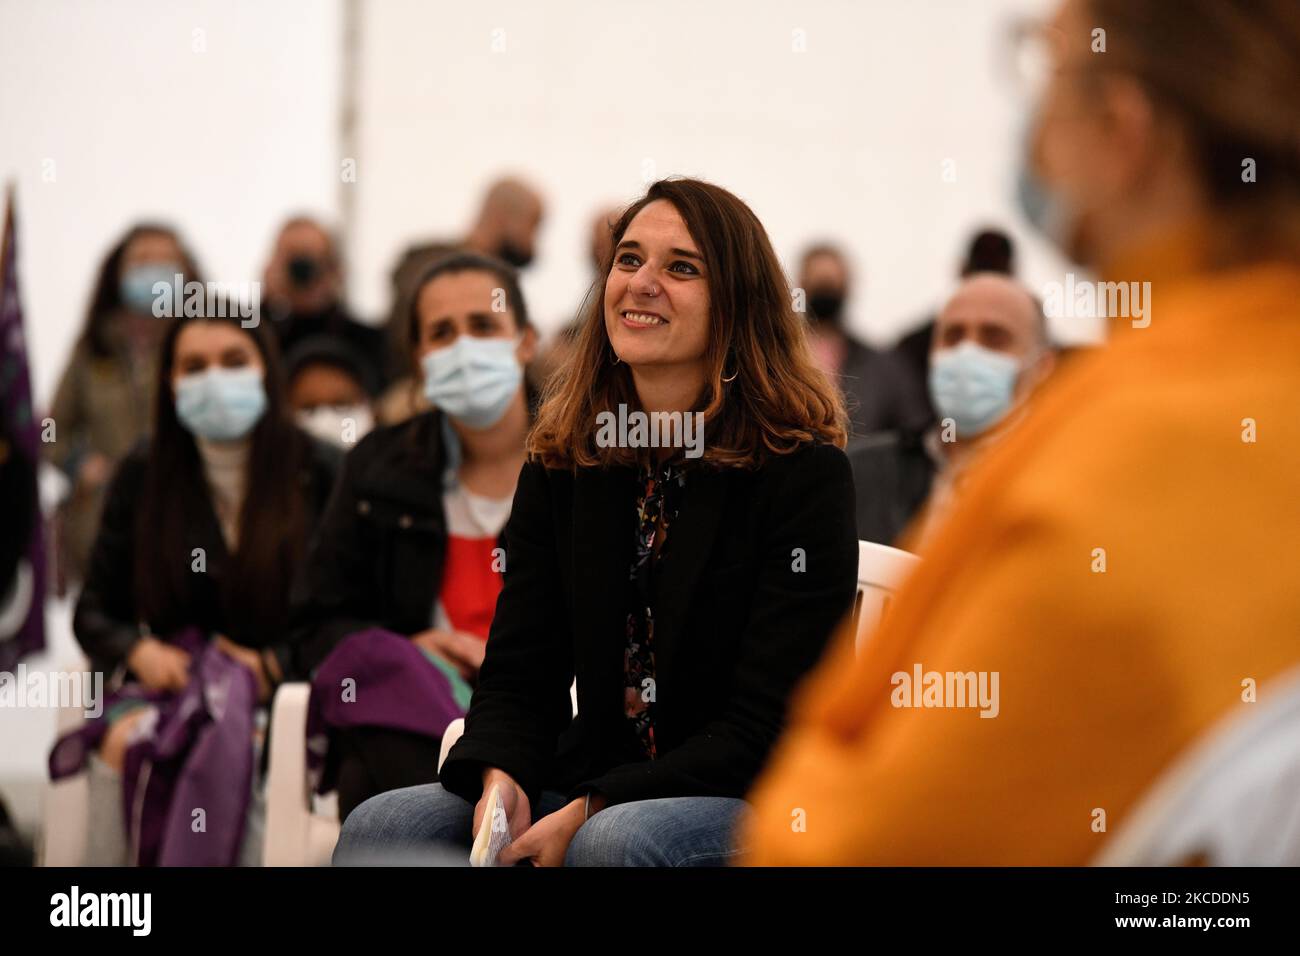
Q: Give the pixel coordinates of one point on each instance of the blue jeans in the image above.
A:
(427, 824)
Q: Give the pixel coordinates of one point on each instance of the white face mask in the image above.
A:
(339, 425)
(474, 379)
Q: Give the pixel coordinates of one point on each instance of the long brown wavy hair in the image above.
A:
(777, 401)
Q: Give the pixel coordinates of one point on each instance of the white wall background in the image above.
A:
(223, 118)
(846, 140)
(227, 131)
(223, 141)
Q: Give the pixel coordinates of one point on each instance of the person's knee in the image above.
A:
(663, 832)
(621, 835)
(401, 822)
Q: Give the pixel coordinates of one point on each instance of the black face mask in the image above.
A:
(826, 305)
(507, 251)
(303, 271)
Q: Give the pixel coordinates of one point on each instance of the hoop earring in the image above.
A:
(733, 374)
(614, 355)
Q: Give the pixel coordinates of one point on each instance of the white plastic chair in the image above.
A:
(1231, 799)
(881, 572)
(64, 817)
(301, 828)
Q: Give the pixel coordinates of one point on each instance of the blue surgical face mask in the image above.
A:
(137, 282)
(474, 379)
(221, 404)
(973, 386)
(1044, 208)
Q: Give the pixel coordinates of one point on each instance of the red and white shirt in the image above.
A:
(472, 565)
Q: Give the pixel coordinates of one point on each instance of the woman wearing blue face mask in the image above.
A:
(102, 406)
(404, 577)
(203, 528)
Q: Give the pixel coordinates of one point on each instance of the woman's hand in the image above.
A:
(159, 665)
(463, 651)
(469, 650)
(547, 840)
(95, 469)
(519, 815)
(250, 659)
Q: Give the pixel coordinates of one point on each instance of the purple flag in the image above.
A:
(20, 444)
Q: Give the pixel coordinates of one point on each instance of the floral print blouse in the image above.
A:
(658, 502)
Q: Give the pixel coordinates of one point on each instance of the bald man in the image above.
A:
(989, 351)
(508, 222)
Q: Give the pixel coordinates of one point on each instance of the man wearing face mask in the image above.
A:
(507, 223)
(874, 383)
(303, 297)
(989, 351)
(989, 250)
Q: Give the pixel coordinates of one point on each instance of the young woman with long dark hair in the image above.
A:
(203, 528)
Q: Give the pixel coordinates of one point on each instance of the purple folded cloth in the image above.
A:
(187, 781)
(376, 678)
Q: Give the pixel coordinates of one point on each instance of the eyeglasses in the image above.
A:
(1030, 54)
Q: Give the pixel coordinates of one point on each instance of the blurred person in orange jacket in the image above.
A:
(1121, 570)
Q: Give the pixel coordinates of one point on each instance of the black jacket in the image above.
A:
(892, 475)
(880, 391)
(378, 558)
(368, 343)
(106, 622)
(736, 627)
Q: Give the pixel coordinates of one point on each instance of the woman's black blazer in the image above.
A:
(760, 567)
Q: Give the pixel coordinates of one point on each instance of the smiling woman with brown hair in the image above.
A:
(686, 593)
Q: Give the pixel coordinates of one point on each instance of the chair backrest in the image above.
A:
(881, 572)
(1230, 799)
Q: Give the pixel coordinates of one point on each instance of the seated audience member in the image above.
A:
(203, 528)
(102, 405)
(874, 383)
(990, 250)
(327, 392)
(686, 585)
(507, 224)
(990, 352)
(403, 579)
(303, 297)
(505, 228)
(1123, 562)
